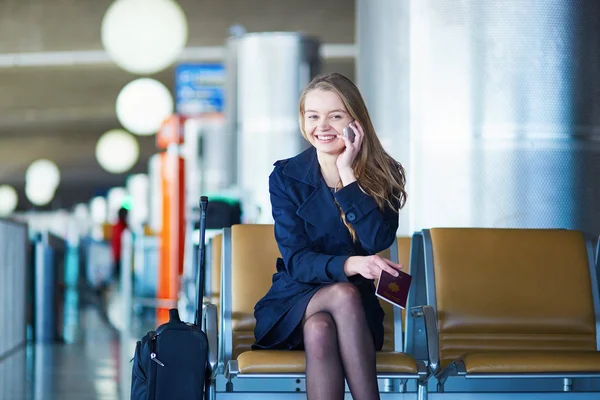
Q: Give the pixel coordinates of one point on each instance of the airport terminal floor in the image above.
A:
(87, 366)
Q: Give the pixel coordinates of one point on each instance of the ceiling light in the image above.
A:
(144, 36)
(143, 105)
(43, 173)
(8, 200)
(39, 195)
(117, 151)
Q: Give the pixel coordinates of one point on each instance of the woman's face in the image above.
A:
(325, 117)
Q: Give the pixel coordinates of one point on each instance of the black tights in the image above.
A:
(338, 344)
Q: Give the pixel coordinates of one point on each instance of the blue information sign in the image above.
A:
(199, 88)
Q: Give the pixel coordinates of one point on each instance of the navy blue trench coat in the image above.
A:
(314, 245)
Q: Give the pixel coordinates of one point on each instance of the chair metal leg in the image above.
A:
(567, 385)
(422, 391)
(212, 391)
(440, 387)
(388, 385)
(402, 385)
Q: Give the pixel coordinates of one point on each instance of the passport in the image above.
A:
(394, 289)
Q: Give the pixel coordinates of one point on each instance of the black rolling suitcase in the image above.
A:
(172, 362)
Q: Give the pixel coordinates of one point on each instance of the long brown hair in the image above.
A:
(377, 173)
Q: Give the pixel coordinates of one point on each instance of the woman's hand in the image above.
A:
(346, 158)
(370, 267)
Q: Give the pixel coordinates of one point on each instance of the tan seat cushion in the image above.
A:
(281, 361)
(532, 361)
(392, 362)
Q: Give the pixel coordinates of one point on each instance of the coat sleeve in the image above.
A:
(376, 229)
(301, 262)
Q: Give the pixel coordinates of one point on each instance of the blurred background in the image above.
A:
(59, 85)
(493, 107)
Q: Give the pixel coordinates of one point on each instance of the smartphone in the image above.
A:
(349, 133)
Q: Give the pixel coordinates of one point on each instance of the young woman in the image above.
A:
(335, 206)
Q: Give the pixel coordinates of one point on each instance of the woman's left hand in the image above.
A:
(346, 158)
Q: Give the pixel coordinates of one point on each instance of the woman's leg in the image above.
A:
(343, 302)
(324, 373)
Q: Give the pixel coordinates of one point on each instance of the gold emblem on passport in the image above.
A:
(393, 287)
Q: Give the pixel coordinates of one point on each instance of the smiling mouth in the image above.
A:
(326, 138)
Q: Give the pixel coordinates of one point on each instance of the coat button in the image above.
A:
(351, 216)
(350, 250)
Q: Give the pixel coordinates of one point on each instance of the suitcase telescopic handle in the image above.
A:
(201, 260)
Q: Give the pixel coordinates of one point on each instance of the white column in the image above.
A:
(502, 130)
(383, 76)
(273, 69)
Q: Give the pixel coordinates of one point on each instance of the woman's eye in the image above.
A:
(336, 116)
(312, 117)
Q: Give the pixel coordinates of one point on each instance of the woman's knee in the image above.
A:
(320, 334)
(345, 296)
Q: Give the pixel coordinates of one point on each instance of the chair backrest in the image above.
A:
(216, 249)
(401, 256)
(254, 253)
(403, 244)
(388, 319)
(511, 290)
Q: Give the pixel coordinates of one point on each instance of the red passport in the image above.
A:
(394, 289)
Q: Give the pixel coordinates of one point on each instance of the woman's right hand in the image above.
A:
(370, 267)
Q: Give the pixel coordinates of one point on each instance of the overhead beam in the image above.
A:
(94, 57)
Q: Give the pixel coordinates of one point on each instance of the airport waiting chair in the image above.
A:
(398, 253)
(213, 273)
(249, 256)
(395, 318)
(402, 253)
(509, 303)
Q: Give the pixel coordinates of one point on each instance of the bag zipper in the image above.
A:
(153, 337)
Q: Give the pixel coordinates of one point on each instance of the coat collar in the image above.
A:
(319, 208)
(304, 167)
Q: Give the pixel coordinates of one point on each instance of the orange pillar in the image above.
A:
(171, 237)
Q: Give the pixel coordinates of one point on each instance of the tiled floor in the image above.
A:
(93, 365)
